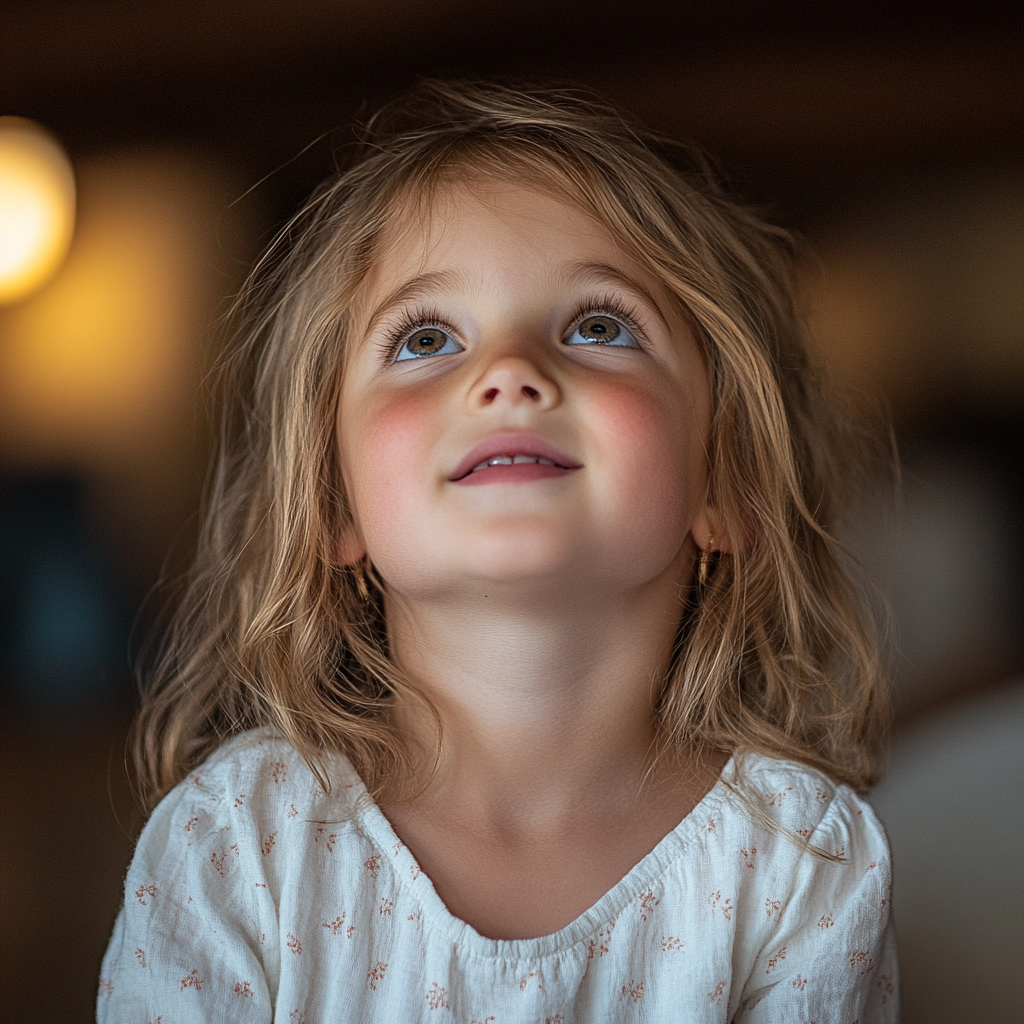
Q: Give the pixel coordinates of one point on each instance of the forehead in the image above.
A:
(505, 230)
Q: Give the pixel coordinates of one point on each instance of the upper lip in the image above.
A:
(512, 444)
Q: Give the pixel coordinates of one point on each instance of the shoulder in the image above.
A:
(807, 804)
(250, 783)
(817, 893)
(262, 766)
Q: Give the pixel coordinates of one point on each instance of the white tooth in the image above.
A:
(545, 462)
(520, 459)
(500, 460)
(476, 469)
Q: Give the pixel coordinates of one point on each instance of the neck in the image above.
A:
(546, 708)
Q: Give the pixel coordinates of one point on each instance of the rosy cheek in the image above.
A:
(659, 446)
(387, 457)
(389, 431)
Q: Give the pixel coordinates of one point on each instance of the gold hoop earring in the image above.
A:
(704, 567)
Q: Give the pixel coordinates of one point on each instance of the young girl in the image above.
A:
(518, 678)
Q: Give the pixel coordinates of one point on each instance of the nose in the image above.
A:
(515, 381)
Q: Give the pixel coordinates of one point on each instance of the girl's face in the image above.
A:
(522, 407)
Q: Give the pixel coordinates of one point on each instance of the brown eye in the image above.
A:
(428, 341)
(601, 329)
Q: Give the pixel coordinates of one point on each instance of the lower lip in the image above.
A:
(525, 472)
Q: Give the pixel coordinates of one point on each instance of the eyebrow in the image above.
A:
(442, 281)
(447, 281)
(585, 272)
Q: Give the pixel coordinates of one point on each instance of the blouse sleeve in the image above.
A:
(833, 957)
(196, 938)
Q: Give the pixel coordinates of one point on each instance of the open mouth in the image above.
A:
(515, 460)
(514, 468)
(511, 458)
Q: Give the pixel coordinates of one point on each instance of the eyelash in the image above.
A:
(608, 305)
(414, 320)
(417, 320)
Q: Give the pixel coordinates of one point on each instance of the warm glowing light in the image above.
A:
(102, 365)
(37, 207)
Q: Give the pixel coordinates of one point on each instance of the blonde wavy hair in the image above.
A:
(774, 653)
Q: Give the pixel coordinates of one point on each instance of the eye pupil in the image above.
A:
(426, 342)
(599, 328)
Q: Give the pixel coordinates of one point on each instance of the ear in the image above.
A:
(709, 532)
(350, 547)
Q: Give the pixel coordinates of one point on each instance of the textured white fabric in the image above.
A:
(255, 897)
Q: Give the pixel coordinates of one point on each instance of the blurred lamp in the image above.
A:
(37, 207)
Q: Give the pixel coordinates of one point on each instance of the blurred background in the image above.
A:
(887, 134)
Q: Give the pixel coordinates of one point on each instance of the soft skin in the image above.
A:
(536, 609)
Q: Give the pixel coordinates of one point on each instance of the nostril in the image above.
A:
(490, 394)
(530, 392)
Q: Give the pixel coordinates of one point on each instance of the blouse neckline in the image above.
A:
(435, 915)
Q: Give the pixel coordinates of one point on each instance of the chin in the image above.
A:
(519, 555)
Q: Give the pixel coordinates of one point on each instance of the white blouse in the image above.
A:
(254, 896)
